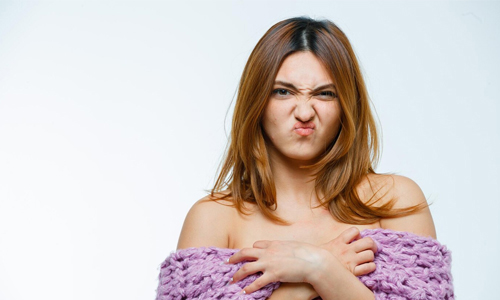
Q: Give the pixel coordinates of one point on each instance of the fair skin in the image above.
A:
(315, 254)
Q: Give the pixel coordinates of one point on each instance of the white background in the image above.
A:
(112, 124)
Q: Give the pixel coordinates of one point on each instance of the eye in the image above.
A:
(281, 92)
(328, 94)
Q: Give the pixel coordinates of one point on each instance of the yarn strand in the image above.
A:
(408, 267)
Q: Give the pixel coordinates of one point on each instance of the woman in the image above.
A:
(298, 182)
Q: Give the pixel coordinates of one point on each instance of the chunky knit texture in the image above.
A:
(408, 267)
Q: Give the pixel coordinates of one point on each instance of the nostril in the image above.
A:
(304, 114)
(304, 119)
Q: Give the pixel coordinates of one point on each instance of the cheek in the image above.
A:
(269, 121)
(329, 114)
(274, 115)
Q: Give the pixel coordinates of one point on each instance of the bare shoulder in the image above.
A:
(378, 189)
(207, 224)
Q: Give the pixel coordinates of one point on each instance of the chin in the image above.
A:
(307, 155)
(307, 158)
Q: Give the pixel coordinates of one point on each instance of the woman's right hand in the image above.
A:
(355, 253)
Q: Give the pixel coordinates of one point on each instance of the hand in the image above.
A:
(355, 254)
(284, 261)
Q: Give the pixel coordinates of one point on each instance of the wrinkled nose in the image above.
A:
(304, 111)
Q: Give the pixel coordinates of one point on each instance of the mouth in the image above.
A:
(304, 129)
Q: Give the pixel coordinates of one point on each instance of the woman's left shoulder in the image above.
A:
(405, 193)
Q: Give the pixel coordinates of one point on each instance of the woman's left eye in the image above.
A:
(329, 94)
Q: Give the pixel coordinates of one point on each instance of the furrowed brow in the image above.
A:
(292, 87)
(324, 87)
(286, 84)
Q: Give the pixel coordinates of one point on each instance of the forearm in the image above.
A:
(330, 281)
(294, 291)
(334, 281)
(346, 287)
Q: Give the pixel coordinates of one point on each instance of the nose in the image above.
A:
(304, 111)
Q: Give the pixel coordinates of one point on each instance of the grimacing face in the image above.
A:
(302, 116)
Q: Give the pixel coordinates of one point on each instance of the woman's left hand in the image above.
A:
(284, 261)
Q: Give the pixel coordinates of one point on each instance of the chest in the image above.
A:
(316, 230)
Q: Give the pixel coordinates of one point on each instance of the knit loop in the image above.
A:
(408, 267)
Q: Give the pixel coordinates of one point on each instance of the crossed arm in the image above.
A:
(306, 270)
(328, 270)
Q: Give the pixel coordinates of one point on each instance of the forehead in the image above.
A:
(304, 70)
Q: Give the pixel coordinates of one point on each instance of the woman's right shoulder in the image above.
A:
(207, 223)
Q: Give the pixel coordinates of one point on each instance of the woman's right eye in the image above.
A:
(281, 92)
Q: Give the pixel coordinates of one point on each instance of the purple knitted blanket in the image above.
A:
(408, 267)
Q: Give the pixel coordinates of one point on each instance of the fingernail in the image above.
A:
(226, 261)
(243, 292)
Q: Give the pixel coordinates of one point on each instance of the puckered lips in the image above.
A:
(304, 128)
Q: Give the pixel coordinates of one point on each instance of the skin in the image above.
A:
(301, 98)
(315, 254)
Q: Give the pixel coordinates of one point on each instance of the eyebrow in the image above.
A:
(291, 86)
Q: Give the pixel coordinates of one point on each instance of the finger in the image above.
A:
(259, 283)
(364, 269)
(363, 257)
(261, 244)
(248, 254)
(349, 235)
(246, 270)
(364, 244)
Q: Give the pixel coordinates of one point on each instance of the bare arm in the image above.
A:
(330, 285)
(408, 193)
(206, 225)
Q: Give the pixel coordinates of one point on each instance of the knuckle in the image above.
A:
(259, 283)
(274, 276)
(244, 268)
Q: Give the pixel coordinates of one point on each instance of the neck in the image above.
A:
(295, 185)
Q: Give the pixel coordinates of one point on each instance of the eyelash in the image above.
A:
(323, 93)
(277, 92)
(329, 93)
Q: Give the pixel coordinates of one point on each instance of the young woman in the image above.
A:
(298, 182)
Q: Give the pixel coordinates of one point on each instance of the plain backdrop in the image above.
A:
(114, 117)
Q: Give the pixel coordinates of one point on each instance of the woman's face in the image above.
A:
(302, 116)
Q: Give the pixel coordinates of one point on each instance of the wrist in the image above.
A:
(323, 264)
(333, 281)
(330, 272)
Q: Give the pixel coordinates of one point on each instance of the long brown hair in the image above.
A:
(246, 171)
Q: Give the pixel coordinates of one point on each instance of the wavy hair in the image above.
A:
(246, 173)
